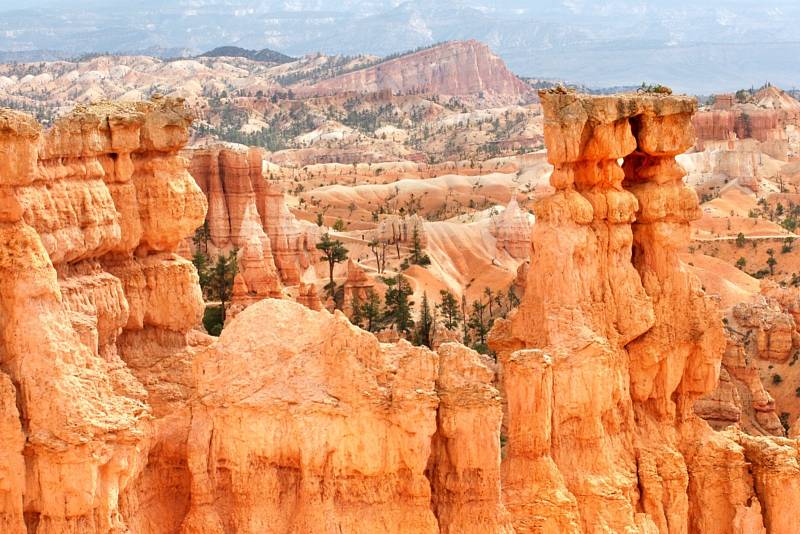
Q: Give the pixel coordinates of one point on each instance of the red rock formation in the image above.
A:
(356, 287)
(329, 432)
(513, 231)
(458, 68)
(307, 296)
(772, 330)
(763, 344)
(94, 311)
(604, 437)
(764, 118)
(244, 205)
(293, 241)
(229, 175)
(740, 397)
(115, 418)
(464, 467)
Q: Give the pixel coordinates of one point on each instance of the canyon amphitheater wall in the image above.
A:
(116, 416)
(95, 310)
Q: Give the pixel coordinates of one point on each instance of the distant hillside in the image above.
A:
(266, 55)
(455, 68)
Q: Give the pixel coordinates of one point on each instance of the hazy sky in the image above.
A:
(697, 45)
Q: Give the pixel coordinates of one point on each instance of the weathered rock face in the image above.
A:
(356, 287)
(333, 432)
(454, 68)
(464, 467)
(770, 327)
(255, 280)
(512, 229)
(293, 241)
(768, 119)
(308, 296)
(94, 310)
(397, 228)
(740, 396)
(614, 341)
(763, 344)
(244, 205)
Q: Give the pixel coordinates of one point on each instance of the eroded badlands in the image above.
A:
(117, 414)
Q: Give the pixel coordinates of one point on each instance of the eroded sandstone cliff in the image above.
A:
(614, 341)
(94, 308)
(336, 432)
(243, 206)
(116, 417)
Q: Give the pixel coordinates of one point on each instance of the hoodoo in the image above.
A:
(614, 341)
(116, 416)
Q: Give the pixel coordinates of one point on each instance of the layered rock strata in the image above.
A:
(357, 286)
(244, 205)
(95, 307)
(614, 341)
(453, 68)
(305, 423)
(512, 229)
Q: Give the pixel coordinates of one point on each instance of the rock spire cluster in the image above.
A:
(116, 416)
(614, 342)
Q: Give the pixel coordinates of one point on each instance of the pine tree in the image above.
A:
(417, 256)
(480, 324)
(449, 309)
(398, 305)
(371, 310)
(771, 261)
(358, 314)
(200, 262)
(333, 252)
(425, 325)
(513, 299)
(489, 295)
(201, 237)
(464, 317)
(220, 279)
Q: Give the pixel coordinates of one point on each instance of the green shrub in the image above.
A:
(213, 320)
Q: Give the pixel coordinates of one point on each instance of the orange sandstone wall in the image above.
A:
(115, 416)
(95, 307)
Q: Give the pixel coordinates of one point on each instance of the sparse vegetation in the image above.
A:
(333, 252)
(399, 307)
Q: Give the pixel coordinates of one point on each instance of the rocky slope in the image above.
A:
(458, 68)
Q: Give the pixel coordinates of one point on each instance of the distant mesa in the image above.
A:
(265, 55)
(455, 68)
